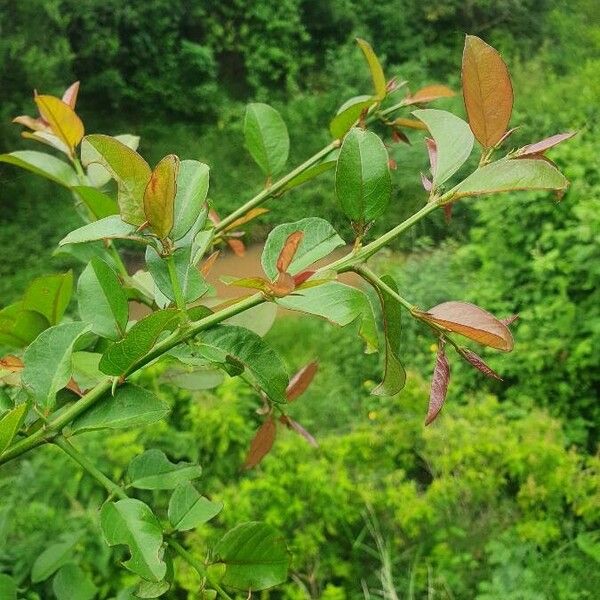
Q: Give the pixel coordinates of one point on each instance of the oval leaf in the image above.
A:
(62, 119)
(348, 114)
(545, 144)
(487, 91)
(10, 423)
(49, 295)
(261, 444)
(43, 164)
(453, 142)
(439, 385)
(266, 137)
(71, 582)
(52, 558)
(112, 227)
(192, 188)
(362, 178)
(152, 470)
(377, 75)
(159, 196)
(301, 380)
(188, 509)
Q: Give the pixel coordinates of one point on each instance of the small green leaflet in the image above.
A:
(131, 522)
(43, 164)
(319, 240)
(348, 114)
(395, 375)
(266, 137)
(10, 422)
(99, 204)
(192, 188)
(126, 167)
(52, 558)
(512, 175)
(363, 184)
(20, 327)
(138, 341)
(255, 557)
(96, 173)
(48, 361)
(49, 295)
(259, 318)
(338, 303)
(72, 583)
(377, 75)
(152, 470)
(8, 587)
(102, 300)
(188, 509)
(131, 406)
(112, 227)
(453, 139)
(310, 174)
(252, 352)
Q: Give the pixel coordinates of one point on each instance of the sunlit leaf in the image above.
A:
(112, 227)
(71, 582)
(487, 91)
(102, 300)
(96, 173)
(471, 321)
(261, 443)
(152, 470)
(45, 137)
(43, 164)
(379, 84)
(428, 94)
(10, 423)
(362, 178)
(453, 142)
(188, 509)
(70, 94)
(99, 204)
(266, 137)
(249, 216)
(126, 167)
(131, 406)
(48, 361)
(49, 295)
(301, 380)
(132, 523)
(139, 340)
(348, 114)
(512, 175)
(439, 385)
(395, 375)
(62, 119)
(159, 197)
(545, 144)
(318, 241)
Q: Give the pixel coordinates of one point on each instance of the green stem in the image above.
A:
(177, 292)
(375, 281)
(275, 187)
(88, 466)
(118, 260)
(387, 111)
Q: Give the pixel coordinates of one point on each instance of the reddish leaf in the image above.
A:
(251, 214)
(289, 250)
(432, 152)
(302, 277)
(300, 381)
(487, 91)
(237, 247)
(392, 164)
(11, 363)
(209, 262)
(398, 136)
(509, 320)
(261, 443)
(72, 385)
(283, 285)
(471, 321)
(439, 385)
(254, 283)
(409, 123)
(427, 185)
(70, 95)
(295, 426)
(428, 94)
(479, 363)
(447, 212)
(545, 144)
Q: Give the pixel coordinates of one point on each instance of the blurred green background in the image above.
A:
(500, 498)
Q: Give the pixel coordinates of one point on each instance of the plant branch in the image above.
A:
(177, 292)
(376, 282)
(275, 187)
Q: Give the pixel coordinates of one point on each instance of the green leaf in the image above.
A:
(362, 178)
(339, 304)
(43, 164)
(188, 509)
(131, 406)
(192, 284)
(259, 318)
(138, 341)
(96, 173)
(348, 114)
(48, 361)
(71, 582)
(19, 327)
(255, 557)
(49, 295)
(131, 522)
(267, 138)
(319, 240)
(10, 423)
(8, 587)
(310, 174)
(377, 75)
(152, 589)
(152, 470)
(112, 227)
(512, 175)
(453, 139)
(98, 203)
(159, 197)
(126, 166)
(395, 375)
(52, 558)
(192, 188)
(102, 300)
(250, 350)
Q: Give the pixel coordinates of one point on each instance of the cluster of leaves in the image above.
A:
(72, 376)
